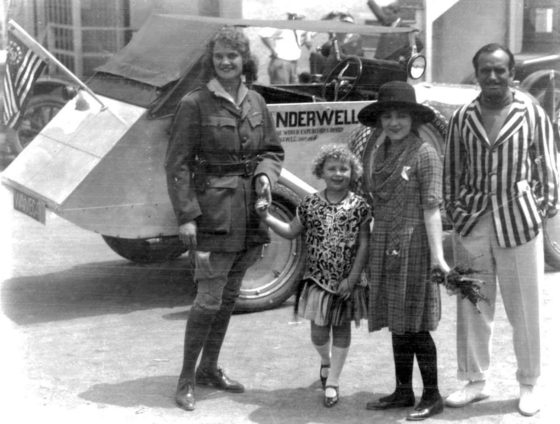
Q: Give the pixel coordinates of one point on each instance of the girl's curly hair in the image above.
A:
(338, 152)
(234, 38)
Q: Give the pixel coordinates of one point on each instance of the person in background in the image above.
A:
(335, 222)
(406, 245)
(223, 154)
(285, 50)
(501, 182)
(392, 46)
(327, 56)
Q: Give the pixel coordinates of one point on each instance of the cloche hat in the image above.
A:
(395, 95)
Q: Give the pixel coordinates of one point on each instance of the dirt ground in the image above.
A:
(90, 337)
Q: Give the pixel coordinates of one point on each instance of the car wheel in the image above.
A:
(272, 280)
(39, 111)
(145, 251)
(537, 84)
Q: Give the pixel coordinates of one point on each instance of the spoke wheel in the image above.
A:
(39, 111)
(537, 84)
(269, 282)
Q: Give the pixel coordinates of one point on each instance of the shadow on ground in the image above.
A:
(296, 405)
(96, 289)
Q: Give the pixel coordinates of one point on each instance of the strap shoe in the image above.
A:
(330, 401)
(219, 380)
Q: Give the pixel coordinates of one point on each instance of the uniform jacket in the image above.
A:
(515, 179)
(209, 127)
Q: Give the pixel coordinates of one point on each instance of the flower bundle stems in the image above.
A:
(459, 280)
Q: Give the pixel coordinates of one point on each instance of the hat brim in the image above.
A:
(369, 115)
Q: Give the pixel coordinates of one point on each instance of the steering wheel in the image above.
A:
(342, 79)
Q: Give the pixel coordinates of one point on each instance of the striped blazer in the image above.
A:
(515, 179)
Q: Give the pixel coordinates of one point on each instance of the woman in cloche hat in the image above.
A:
(406, 244)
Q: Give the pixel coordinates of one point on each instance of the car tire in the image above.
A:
(38, 112)
(146, 251)
(272, 280)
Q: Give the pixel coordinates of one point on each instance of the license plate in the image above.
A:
(29, 206)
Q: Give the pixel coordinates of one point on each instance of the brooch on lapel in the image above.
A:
(404, 172)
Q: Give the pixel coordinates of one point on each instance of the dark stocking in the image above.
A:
(426, 355)
(403, 356)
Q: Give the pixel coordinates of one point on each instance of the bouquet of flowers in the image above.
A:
(459, 280)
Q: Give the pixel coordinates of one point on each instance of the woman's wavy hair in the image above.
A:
(237, 40)
(338, 152)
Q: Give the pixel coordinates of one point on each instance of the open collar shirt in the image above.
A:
(515, 178)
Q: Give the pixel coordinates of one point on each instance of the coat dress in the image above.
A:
(209, 127)
(401, 295)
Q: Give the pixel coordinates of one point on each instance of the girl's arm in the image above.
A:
(346, 286)
(288, 230)
(432, 221)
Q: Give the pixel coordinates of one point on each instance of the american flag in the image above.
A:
(23, 67)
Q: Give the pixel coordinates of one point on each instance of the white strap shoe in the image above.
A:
(473, 391)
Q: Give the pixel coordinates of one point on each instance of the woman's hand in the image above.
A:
(261, 206)
(262, 188)
(345, 289)
(442, 265)
(187, 234)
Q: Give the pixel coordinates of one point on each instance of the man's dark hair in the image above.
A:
(491, 48)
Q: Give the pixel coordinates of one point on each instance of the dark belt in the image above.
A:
(245, 168)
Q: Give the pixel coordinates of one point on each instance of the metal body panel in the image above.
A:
(126, 194)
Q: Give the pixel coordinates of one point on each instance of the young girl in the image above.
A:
(335, 222)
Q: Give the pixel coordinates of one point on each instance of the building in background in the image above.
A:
(83, 34)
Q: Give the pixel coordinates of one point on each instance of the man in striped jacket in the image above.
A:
(500, 182)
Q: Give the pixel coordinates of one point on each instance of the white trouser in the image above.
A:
(519, 271)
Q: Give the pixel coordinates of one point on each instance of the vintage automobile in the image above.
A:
(99, 162)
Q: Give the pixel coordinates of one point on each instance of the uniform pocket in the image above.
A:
(216, 205)
(255, 120)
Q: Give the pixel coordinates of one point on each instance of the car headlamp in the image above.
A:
(416, 66)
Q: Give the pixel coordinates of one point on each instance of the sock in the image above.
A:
(337, 362)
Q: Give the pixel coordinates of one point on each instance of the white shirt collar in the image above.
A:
(215, 87)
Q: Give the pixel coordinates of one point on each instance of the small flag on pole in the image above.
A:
(23, 67)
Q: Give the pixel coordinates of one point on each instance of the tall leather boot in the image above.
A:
(208, 372)
(196, 332)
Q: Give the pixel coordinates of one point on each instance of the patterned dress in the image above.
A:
(401, 295)
(332, 239)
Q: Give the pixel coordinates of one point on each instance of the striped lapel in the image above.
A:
(513, 122)
(473, 119)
